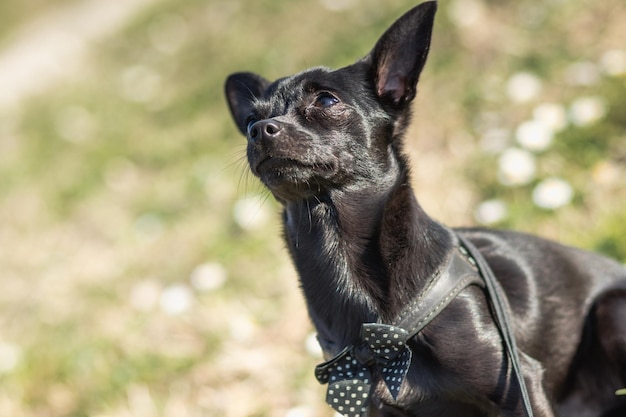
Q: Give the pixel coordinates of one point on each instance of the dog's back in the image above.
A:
(562, 293)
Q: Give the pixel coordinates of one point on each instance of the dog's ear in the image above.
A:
(241, 90)
(400, 54)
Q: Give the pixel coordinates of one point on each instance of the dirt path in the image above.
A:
(55, 46)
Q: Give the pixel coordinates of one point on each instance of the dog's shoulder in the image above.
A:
(547, 259)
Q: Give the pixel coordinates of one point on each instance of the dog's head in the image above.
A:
(323, 130)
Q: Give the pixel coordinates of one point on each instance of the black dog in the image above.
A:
(328, 145)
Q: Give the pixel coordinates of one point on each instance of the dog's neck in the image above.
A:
(362, 254)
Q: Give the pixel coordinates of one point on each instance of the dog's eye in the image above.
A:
(249, 122)
(326, 100)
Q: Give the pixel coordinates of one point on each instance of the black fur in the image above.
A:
(328, 145)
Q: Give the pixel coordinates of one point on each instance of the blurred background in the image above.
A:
(141, 268)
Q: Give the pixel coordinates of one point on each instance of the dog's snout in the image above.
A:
(267, 129)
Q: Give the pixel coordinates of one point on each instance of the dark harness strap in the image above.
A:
(445, 287)
(500, 308)
(385, 346)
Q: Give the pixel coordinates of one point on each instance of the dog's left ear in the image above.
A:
(400, 54)
(241, 90)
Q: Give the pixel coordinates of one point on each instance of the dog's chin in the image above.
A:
(290, 179)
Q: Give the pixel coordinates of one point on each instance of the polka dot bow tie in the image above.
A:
(349, 374)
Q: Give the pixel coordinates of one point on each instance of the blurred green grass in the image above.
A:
(15, 14)
(142, 269)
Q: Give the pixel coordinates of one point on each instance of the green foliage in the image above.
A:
(609, 237)
(142, 267)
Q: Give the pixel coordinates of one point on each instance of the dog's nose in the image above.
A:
(267, 129)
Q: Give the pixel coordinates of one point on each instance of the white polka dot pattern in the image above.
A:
(349, 380)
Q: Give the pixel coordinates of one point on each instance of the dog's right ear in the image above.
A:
(242, 89)
(400, 54)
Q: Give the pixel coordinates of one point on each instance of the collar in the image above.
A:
(384, 346)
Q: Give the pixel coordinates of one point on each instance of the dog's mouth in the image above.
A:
(269, 164)
(279, 173)
(278, 164)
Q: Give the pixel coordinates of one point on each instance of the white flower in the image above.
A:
(534, 135)
(121, 175)
(144, 295)
(516, 167)
(466, 13)
(176, 299)
(148, 226)
(523, 87)
(613, 62)
(495, 140)
(312, 345)
(587, 110)
(76, 124)
(338, 5)
(605, 173)
(490, 211)
(552, 193)
(583, 73)
(242, 328)
(10, 355)
(169, 33)
(250, 213)
(552, 115)
(140, 84)
(208, 277)
(301, 411)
